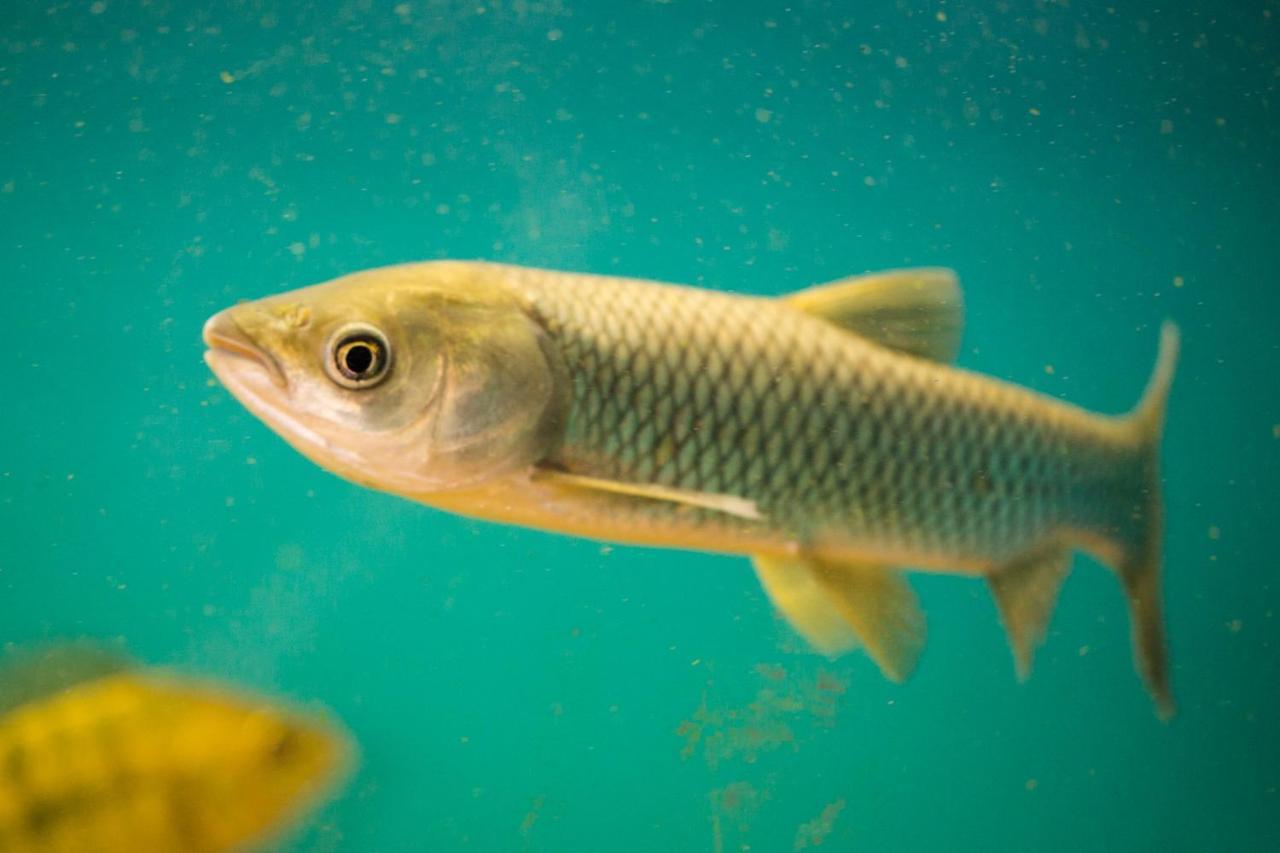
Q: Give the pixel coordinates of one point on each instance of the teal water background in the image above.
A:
(1088, 171)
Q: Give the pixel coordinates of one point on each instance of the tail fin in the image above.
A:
(1139, 563)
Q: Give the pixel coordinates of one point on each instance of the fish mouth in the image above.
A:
(224, 338)
(255, 378)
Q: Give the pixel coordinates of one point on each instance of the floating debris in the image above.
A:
(814, 832)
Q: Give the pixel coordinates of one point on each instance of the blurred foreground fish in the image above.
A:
(99, 757)
(823, 433)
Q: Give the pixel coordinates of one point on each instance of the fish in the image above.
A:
(826, 434)
(100, 754)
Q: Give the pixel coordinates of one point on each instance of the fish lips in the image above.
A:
(256, 379)
(226, 340)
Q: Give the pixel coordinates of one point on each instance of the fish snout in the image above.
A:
(225, 338)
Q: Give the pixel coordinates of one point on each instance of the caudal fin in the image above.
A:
(1139, 562)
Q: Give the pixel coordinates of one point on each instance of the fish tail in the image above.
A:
(1138, 535)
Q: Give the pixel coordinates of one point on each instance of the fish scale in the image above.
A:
(724, 394)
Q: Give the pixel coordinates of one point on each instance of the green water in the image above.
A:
(1088, 171)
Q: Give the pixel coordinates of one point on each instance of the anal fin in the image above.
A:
(837, 606)
(1025, 591)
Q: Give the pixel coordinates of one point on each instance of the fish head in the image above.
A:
(411, 379)
(253, 768)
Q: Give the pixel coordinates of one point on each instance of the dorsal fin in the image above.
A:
(916, 311)
(28, 675)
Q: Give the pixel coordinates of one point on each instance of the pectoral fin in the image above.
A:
(727, 504)
(917, 311)
(837, 606)
(1026, 591)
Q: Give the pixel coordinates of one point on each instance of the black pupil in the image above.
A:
(285, 746)
(359, 358)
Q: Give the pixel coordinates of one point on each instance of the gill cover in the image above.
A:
(503, 398)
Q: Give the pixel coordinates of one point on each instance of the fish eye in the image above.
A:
(285, 747)
(359, 357)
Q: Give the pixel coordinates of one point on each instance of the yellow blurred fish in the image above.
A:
(824, 433)
(97, 756)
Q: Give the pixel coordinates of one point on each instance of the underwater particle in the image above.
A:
(1275, 430)
(941, 17)
(1235, 626)
(1034, 111)
(226, 77)
(297, 249)
(1214, 532)
(1031, 785)
(733, 807)
(771, 671)
(98, 8)
(768, 722)
(555, 35)
(763, 115)
(394, 118)
(1166, 127)
(531, 816)
(290, 557)
(1084, 650)
(1048, 369)
(1178, 281)
(830, 682)
(814, 832)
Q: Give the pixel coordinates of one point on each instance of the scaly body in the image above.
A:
(845, 447)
